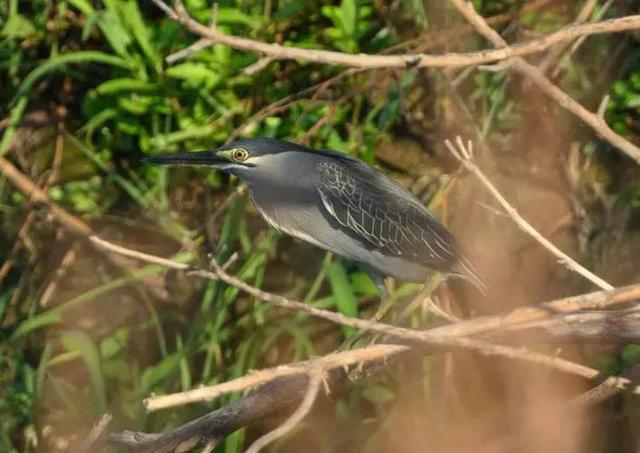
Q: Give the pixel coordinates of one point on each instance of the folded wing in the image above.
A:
(383, 214)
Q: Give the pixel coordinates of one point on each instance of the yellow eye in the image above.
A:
(240, 154)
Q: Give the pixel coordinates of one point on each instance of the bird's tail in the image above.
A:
(466, 270)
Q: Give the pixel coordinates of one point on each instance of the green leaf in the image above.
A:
(349, 17)
(83, 6)
(185, 371)
(18, 26)
(118, 85)
(114, 32)
(111, 346)
(362, 284)
(79, 341)
(194, 74)
(235, 16)
(60, 61)
(153, 375)
(133, 19)
(345, 300)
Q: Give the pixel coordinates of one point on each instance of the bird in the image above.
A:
(342, 205)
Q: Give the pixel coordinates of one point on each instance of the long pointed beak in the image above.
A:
(209, 158)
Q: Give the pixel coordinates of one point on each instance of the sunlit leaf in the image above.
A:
(79, 341)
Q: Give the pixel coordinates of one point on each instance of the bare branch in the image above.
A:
(419, 60)
(465, 156)
(197, 46)
(328, 362)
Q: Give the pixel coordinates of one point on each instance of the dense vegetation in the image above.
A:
(87, 94)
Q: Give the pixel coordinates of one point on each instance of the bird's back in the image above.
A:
(377, 210)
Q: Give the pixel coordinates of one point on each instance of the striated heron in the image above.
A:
(340, 204)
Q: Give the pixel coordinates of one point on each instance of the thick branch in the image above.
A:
(329, 362)
(212, 428)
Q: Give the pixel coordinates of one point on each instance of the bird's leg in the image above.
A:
(385, 287)
(383, 308)
(431, 284)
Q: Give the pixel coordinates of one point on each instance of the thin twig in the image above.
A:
(197, 46)
(97, 431)
(465, 156)
(258, 66)
(315, 379)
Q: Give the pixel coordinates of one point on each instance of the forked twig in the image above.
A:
(315, 379)
(465, 156)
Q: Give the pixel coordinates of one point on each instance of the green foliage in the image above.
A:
(624, 105)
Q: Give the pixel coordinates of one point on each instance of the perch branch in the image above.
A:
(619, 326)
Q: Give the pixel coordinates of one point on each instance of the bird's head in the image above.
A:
(242, 157)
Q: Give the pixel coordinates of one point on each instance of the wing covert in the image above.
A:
(378, 211)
